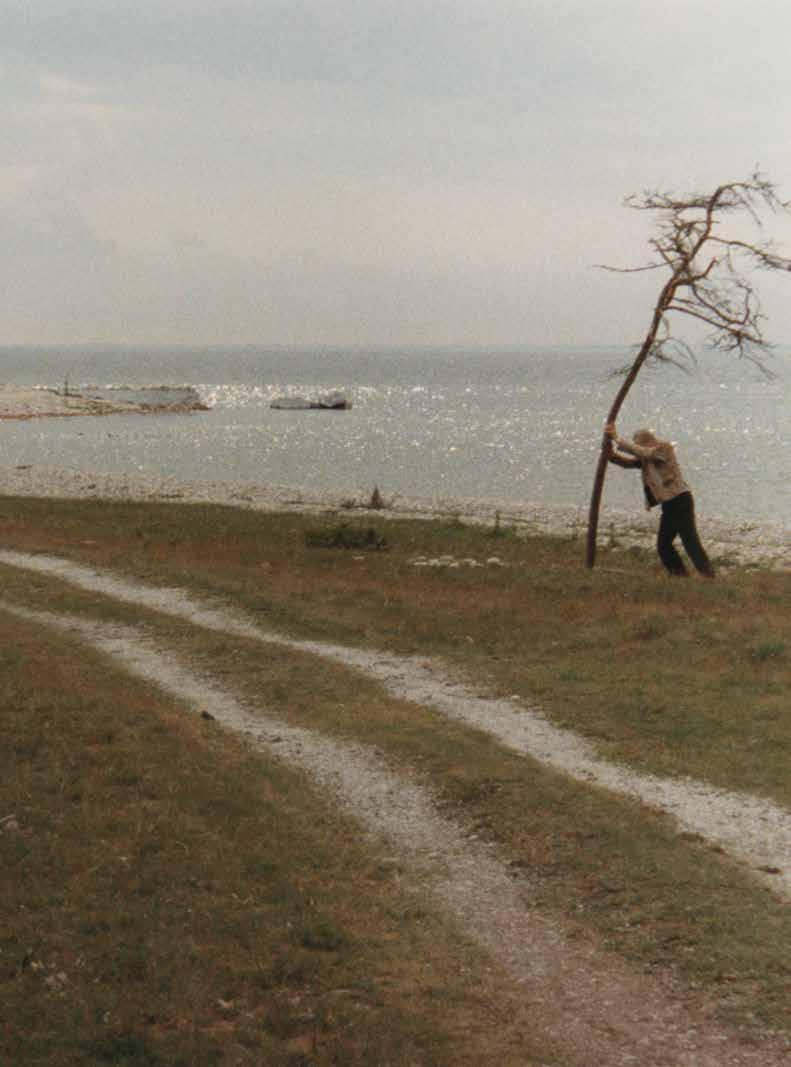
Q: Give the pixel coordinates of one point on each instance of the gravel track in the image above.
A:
(587, 1003)
(753, 830)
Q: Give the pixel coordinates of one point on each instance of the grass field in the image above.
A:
(177, 899)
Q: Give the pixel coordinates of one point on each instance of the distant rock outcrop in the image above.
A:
(334, 401)
(29, 403)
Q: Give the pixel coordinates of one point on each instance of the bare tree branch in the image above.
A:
(705, 283)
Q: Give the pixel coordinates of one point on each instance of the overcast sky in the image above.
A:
(368, 171)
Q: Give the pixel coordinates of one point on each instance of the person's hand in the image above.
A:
(610, 431)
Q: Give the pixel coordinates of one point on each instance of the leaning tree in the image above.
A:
(705, 281)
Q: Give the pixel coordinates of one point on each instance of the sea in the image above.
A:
(517, 425)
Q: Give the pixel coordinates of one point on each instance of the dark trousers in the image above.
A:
(678, 519)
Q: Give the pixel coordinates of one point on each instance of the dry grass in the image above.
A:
(684, 678)
(169, 898)
(676, 677)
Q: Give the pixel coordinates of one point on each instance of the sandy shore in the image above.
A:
(766, 544)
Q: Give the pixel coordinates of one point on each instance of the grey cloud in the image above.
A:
(395, 165)
(445, 46)
(47, 228)
(385, 48)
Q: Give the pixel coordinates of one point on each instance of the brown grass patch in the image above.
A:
(171, 898)
(679, 678)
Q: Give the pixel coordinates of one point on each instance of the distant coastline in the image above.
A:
(20, 402)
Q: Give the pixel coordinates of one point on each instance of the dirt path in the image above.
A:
(587, 1002)
(750, 829)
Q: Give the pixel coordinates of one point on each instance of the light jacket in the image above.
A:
(662, 478)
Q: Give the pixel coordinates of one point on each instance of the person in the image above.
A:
(663, 484)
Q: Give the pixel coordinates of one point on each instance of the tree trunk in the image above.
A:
(595, 504)
(601, 469)
(601, 466)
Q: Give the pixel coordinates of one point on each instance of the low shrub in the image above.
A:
(345, 535)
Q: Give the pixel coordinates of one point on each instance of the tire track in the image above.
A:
(588, 1004)
(751, 829)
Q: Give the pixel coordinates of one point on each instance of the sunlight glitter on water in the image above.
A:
(521, 426)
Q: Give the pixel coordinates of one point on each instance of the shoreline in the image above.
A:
(18, 403)
(766, 544)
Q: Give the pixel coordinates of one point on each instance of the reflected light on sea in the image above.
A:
(521, 426)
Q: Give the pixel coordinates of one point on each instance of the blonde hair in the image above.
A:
(645, 437)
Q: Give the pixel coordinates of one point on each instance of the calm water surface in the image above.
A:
(520, 425)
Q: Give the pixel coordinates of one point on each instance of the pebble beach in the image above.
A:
(746, 544)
